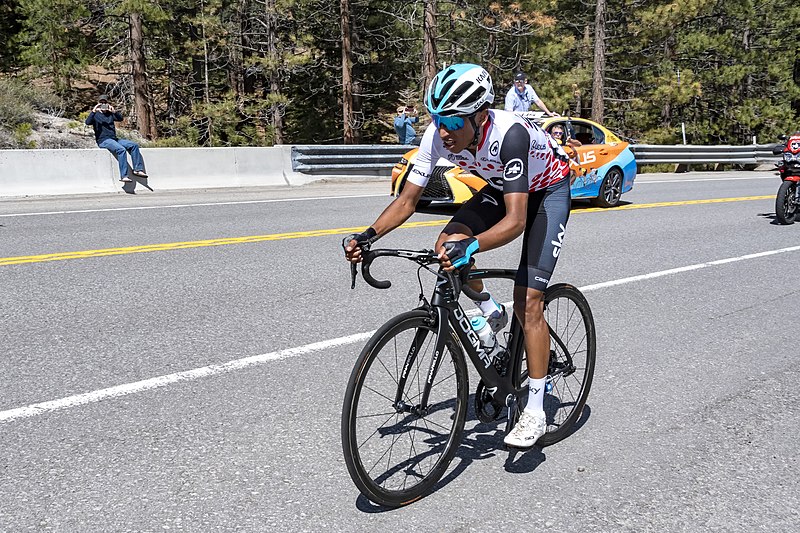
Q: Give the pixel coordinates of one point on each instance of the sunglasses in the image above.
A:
(449, 123)
(557, 133)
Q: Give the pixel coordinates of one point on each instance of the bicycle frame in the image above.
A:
(447, 313)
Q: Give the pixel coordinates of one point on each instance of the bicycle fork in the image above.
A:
(421, 409)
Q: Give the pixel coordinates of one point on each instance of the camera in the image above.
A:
(105, 106)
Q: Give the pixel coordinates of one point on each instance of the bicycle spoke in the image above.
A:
(376, 431)
(390, 400)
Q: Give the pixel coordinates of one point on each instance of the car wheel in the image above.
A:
(610, 190)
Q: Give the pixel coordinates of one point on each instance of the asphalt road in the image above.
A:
(149, 385)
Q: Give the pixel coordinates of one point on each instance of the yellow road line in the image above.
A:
(63, 256)
(672, 204)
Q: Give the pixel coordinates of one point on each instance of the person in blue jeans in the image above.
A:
(404, 124)
(102, 118)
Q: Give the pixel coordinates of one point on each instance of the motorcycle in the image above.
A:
(787, 203)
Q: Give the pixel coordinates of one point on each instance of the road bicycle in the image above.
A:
(407, 398)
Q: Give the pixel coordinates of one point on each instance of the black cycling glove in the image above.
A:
(461, 251)
(366, 237)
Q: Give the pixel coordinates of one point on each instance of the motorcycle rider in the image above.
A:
(526, 192)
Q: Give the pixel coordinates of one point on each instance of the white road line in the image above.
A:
(688, 268)
(178, 206)
(162, 381)
(643, 181)
(255, 360)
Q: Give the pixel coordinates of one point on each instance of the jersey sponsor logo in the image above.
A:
(513, 170)
(541, 280)
(488, 199)
(538, 146)
(494, 149)
(491, 160)
(557, 244)
(456, 157)
(416, 172)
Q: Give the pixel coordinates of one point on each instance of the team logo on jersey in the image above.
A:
(557, 244)
(513, 170)
(494, 148)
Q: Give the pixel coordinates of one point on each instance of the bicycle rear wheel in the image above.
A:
(395, 456)
(572, 358)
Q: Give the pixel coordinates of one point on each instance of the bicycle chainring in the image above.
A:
(487, 409)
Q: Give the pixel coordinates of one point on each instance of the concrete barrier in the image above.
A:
(44, 172)
(41, 172)
(192, 168)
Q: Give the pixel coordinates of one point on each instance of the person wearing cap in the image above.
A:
(404, 124)
(102, 118)
(521, 96)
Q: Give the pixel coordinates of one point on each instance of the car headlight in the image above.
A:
(789, 157)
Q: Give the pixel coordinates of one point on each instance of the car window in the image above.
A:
(583, 132)
(598, 136)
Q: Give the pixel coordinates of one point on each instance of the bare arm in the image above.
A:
(393, 216)
(543, 107)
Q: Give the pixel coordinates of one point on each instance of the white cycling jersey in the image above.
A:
(511, 148)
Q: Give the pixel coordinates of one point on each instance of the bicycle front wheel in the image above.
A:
(572, 358)
(395, 454)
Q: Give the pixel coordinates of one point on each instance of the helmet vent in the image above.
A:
(474, 97)
(458, 93)
(437, 98)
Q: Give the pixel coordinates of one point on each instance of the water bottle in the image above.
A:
(485, 333)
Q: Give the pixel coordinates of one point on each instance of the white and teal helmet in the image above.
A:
(460, 89)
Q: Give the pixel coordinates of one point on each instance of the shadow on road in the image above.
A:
(773, 218)
(130, 186)
(484, 441)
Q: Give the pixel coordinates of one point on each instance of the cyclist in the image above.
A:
(526, 193)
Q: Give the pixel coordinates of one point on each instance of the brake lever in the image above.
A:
(353, 273)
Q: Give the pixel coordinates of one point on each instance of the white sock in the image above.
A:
(489, 306)
(535, 395)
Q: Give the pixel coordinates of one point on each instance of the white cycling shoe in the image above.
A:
(527, 431)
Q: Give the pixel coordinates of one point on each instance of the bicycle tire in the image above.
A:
(569, 316)
(393, 340)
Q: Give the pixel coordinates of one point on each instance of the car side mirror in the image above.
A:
(778, 149)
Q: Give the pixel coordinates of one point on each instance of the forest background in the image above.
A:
(263, 72)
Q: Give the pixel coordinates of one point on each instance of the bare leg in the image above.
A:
(529, 309)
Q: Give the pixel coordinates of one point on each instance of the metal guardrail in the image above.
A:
(688, 154)
(371, 158)
(331, 159)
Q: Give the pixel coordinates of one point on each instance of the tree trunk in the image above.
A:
(274, 63)
(598, 71)
(666, 110)
(429, 53)
(347, 74)
(583, 54)
(145, 121)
